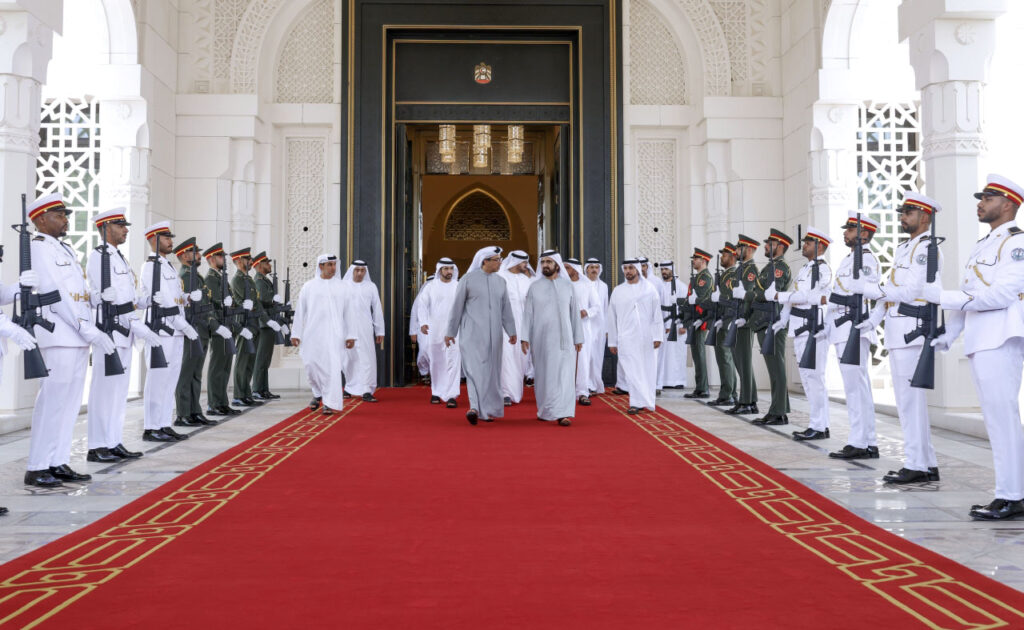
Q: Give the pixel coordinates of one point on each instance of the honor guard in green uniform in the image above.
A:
(765, 315)
(243, 290)
(198, 313)
(742, 351)
(222, 347)
(701, 286)
(723, 356)
(268, 331)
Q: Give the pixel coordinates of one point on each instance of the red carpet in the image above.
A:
(401, 515)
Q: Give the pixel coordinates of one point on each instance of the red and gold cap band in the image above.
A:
(157, 232)
(112, 218)
(998, 189)
(920, 205)
(57, 204)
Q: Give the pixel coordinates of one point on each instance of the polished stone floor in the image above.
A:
(933, 515)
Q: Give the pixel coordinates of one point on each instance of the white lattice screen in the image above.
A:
(69, 164)
(657, 65)
(656, 197)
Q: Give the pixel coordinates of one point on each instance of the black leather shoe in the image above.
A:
(852, 452)
(121, 451)
(905, 475)
(529, 382)
(270, 395)
(618, 391)
(230, 411)
(252, 401)
(368, 397)
(345, 394)
(872, 452)
(64, 473)
(174, 434)
(751, 408)
(451, 404)
(720, 402)
(583, 400)
(201, 419)
(259, 396)
(810, 434)
(243, 402)
(736, 409)
(933, 473)
(315, 403)
(101, 455)
(3, 510)
(42, 479)
(435, 400)
(186, 421)
(634, 410)
(771, 419)
(215, 411)
(156, 435)
(507, 401)
(999, 510)
(696, 394)
(472, 416)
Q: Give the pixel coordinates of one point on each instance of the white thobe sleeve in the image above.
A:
(378, 316)
(611, 326)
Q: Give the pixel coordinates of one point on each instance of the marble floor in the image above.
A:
(933, 515)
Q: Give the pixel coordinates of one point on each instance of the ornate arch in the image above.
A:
(714, 48)
(473, 200)
(245, 53)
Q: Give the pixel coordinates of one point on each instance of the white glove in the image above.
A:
(822, 334)
(29, 278)
(148, 337)
(18, 334)
(692, 299)
(109, 294)
(278, 298)
(867, 324)
(285, 330)
(274, 325)
(944, 341)
(228, 301)
(718, 324)
(715, 296)
(779, 325)
(99, 341)
(872, 291)
(162, 299)
(739, 292)
(770, 293)
(855, 285)
(740, 322)
(247, 305)
(223, 332)
(196, 296)
(246, 333)
(932, 292)
(190, 332)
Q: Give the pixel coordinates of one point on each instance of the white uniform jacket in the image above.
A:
(904, 283)
(57, 265)
(844, 275)
(122, 279)
(170, 286)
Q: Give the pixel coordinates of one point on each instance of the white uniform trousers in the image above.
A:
(997, 377)
(912, 407)
(859, 402)
(57, 406)
(814, 381)
(108, 396)
(597, 359)
(446, 370)
(158, 394)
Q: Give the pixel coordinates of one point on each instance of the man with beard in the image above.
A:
(221, 356)
(516, 271)
(589, 304)
(699, 295)
(363, 322)
(552, 330)
(723, 356)
(435, 306)
(479, 313)
(672, 355)
(318, 320)
(742, 351)
(597, 342)
(635, 331)
(422, 359)
(775, 274)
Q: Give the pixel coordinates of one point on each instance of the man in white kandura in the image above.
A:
(422, 359)
(479, 313)
(810, 288)
(515, 269)
(597, 342)
(552, 330)
(363, 323)
(108, 393)
(635, 332)
(672, 355)
(435, 307)
(987, 308)
(589, 302)
(318, 320)
(643, 268)
(898, 303)
(158, 393)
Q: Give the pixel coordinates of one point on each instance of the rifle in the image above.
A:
(812, 325)
(193, 310)
(30, 315)
(855, 307)
(155, 316)
(288, 314)
(276, 310)
(249, 316)
(928, 321)
(712, 314)
(672, 317)
(227, 313)
(107, 312)
(689, 317)
(768, 345)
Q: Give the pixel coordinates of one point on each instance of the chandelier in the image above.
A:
(515, 144)
(481, 145)
(446, 143)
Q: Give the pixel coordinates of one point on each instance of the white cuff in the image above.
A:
(954, 300)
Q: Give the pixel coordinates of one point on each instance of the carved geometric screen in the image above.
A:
(305, 71)
(477, 217)
(306, 209)
(657, 66)
(69, 164)
(656, 197)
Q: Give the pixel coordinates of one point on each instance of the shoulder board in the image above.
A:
(1015, 230)
(39, 238)
(98, 248)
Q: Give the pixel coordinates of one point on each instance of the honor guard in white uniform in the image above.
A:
(862, 442)
(798, 311)
(158, 393)
(108, 393)
(65, 350)
(902, 287)
(988, 308)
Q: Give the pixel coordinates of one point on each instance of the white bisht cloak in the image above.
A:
(422, 358)
(672, 355)
(513, 362)
(479, 313)
(551, 324)
(597, 326)
(363, 321)
(587, 300)
(634, 324)
(435, 306)
(318, 327)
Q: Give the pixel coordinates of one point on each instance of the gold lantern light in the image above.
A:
(515, 144)
(446, 143)
(481, 145)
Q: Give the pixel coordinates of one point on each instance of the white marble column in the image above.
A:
(833, 167)
(26, 44)
(951, 45)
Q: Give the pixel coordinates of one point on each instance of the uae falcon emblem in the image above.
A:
(482, 73)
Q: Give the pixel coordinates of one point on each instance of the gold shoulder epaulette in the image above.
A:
(39, 238)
